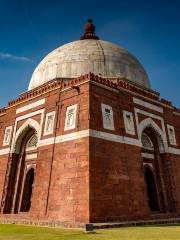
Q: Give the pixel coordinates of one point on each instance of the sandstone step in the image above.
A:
(167, 221)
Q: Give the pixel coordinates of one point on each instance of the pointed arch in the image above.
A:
(161, 136)
(30, 123)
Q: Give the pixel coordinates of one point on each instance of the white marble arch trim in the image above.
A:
(148, 164)
(31, 122)
(150, 115)
(147, 105)
(162, 132)
(4, 151)
(27, 116)
(30, 106)
(29, 166)
(149, 121)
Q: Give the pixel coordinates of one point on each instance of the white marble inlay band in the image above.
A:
(30, 106)
(4, 151)
(147, 155)
(97, 134)
(29, 121)
(92, 133)
(175, 151)
(177, 114)
(31, 156)
(47, 141)
(147, 105)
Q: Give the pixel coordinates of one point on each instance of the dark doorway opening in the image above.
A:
(27, 192)
(151, 190)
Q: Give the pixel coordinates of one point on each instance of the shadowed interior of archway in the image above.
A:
(20, 182)
(27, 191)
(151, 190)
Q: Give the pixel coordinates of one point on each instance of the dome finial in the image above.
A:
(89, 30)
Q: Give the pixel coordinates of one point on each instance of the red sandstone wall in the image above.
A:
(3, 160)
(175, 174)
(69, 190)
(61, 188)
(117, 188)
(6, 120)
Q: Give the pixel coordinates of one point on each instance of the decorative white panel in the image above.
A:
(171, 134)
(107, 113)
(49, 123)
(129, 122)
(7, 136)
(70, 121)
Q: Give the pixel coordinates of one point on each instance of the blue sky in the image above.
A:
(30, 29)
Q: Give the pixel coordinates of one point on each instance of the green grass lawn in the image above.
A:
(17, 232)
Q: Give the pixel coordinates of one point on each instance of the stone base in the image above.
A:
(155, 220)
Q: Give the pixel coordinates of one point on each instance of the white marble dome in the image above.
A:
(89, 55)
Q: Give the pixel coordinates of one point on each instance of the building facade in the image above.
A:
(89, 141)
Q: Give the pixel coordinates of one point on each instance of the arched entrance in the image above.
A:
(156, 174)
(22, 172)
(151, 190)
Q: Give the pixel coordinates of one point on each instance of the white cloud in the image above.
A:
(8, 56)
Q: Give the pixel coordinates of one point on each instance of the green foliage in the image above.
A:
(17, 232)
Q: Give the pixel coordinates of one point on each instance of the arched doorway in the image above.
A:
(20, 180)
(27, 191)
(151, 190)
(156, 175)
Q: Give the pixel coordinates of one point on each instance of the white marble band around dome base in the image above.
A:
(81, 57)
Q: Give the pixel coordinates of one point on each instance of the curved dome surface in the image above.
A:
(81, 57)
